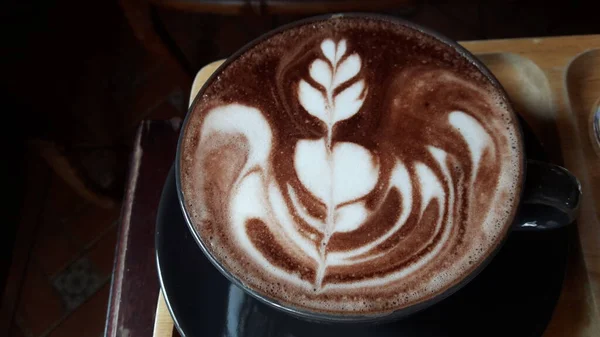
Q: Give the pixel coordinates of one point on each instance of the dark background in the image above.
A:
(77, 78)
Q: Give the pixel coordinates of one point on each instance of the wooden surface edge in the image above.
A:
(112, 319)
(163, 324)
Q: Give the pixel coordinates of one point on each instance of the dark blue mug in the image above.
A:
(549, 198)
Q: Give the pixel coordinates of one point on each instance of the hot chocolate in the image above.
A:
(351, 165)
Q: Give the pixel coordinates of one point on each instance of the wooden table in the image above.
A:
(553, 82)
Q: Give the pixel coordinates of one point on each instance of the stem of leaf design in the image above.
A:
(329, 108)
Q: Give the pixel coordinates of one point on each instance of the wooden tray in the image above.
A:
(554, 83)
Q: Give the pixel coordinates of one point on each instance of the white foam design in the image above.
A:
(348, 69)
(354, 171)
(324, 105)
(241, 119)
(440, 156)
(314, 222)
(312, 165)
(400, 180)
(248, 203)
(474, 135)
(436, 191)
(286, 222)
(350, 217)
(320, 71)
(431, 187)
(339, 175)
(332, 52)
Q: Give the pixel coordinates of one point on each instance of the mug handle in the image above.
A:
(550, 198)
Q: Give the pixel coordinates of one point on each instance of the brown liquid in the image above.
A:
(414, 237)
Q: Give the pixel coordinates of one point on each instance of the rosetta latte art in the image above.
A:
(338, 175)
(351, 227)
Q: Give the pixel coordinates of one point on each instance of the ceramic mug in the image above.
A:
(549, 198)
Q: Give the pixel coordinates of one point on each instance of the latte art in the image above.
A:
(344, 176)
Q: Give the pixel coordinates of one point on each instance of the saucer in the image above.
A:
(514, 295)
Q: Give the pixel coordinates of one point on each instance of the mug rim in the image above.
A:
(324, 317)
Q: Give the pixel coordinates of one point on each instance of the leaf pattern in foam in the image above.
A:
(320, 71)
(313, 101)
(326, 106)
(338, 174)
(332, 52)
(348, 102)
(348, 69)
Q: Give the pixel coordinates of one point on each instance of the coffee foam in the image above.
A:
(351, 166)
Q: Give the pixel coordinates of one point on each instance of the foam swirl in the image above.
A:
(341, 193)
